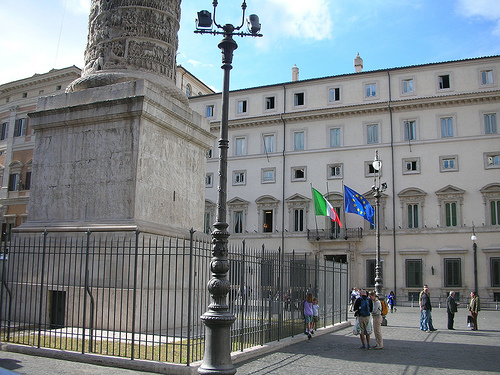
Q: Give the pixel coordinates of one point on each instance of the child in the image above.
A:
(315, 314)
(308, 313)
(391, 301)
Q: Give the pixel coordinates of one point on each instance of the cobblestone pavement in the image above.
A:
(407, 349)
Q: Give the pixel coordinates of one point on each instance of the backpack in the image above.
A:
(385, 308)
(364, 308)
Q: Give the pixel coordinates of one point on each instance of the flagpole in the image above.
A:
(315, 218)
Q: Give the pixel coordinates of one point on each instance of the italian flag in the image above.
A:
(323, 207)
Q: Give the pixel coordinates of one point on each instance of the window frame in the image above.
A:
(447, 262)
(335, 90)
(483, 84)
(370, 134)
(438, 82)
(269, 99)
(4, 131)
(240, 151)
(209, 180)
(21, 127)
(369, 95)
(239, 177)
(296, 132)
(484, 115)
(299, 99)
(408, 92)
(453, 126)
(329, 167)
(495, 276)
(410, 124)
(442, 163)
(263, 172)
(242, 106)
(491, 160)
(273, 143)
(298, 179)
(337, 137)
(418, 273)
(405, 161)
(210, 107)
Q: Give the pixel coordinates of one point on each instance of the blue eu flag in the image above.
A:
(357, 204)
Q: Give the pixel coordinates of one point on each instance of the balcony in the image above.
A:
(342, 234)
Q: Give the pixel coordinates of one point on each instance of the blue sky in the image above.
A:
(321, 36)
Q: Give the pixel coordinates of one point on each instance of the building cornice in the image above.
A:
(37, 79)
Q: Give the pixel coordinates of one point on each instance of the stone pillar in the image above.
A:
(122, 148)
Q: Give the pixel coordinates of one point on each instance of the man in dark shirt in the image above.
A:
(362, 310)
(425, 308)
(451, 309)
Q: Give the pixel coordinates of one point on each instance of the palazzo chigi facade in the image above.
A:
(435, 127)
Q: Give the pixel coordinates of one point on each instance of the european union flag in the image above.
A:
(357, 204)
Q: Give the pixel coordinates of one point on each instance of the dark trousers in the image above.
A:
(474, 320)
(451, 318)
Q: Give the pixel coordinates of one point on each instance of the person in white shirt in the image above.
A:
(377, 320)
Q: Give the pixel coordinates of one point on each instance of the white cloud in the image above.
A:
(198, 63)
(296, 18)
(487, 9)
(77, 6)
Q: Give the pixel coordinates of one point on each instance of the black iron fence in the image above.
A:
(140, 295)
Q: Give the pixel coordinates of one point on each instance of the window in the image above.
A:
(268, 175)
(189, 90)
(3, 134)
(448, 163)
(413, 273)
(490, 123)
(335, 137)
(444, 81)
(407, 86)
(410, 130)
(240, 146)
(495, 212)
(487, 77)
(370, 90)
(446, 127)
(270, 102)
(25, 95)
(298, 220)
(369, 170)
(411, 165)
(334, 94)
(238, 221)
(242, 106)
(13, 182)
(412, 210)
(209, 111)
(298, 173)
(40, 92)
(27, 181)
(452, 273)
(298, 140)
(451, 214)
(239, 178)
(335, 171)
(268, 221)
(58, 87)
(372, 133)
(7, 99)
(20, 127)
(268, 143)
(495, 272)
(298, 99)
(491, 160)
(209, 177)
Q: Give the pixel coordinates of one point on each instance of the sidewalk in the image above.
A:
(407, 350)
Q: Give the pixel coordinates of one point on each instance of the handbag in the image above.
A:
(356, 330)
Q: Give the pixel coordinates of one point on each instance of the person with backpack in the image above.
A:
(391, 301)
(362, 310)
(377, 320)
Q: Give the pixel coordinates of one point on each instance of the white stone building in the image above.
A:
(436, 129)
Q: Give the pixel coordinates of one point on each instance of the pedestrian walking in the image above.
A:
(451, 309)
(362, 310)
(426, 308)
(377, 320)
(315, 315)
(391, 302)
(474, 308)
(308, 313)
(421, 311)
(354, 297)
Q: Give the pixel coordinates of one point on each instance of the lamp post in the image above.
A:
(474, 248)
(218, 319)
(377, 189)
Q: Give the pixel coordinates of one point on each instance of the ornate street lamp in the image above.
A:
(377, 189)
(474, 248)
(218, 319)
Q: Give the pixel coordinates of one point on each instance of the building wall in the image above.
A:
(471, 180)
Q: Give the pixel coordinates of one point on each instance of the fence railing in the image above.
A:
(338, 234)
(140, 295)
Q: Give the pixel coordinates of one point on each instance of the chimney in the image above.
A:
(295, 73)
(358, 64)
